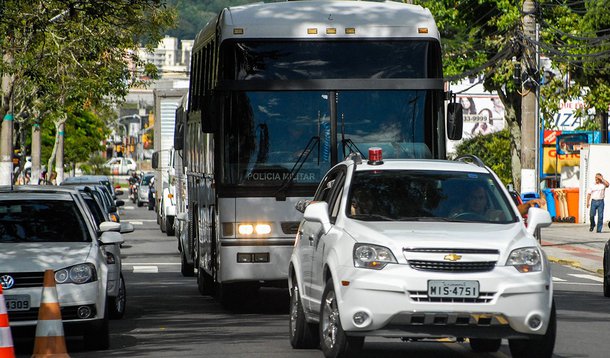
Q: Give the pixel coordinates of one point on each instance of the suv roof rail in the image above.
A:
(469, 158)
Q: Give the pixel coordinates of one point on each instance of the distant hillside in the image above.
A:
(194, 14)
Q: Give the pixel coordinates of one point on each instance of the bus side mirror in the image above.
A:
(455, 120)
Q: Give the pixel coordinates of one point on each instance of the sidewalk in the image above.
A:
(574, 245)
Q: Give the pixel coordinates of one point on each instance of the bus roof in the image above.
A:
(330, 19)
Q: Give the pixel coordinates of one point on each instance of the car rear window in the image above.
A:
(41, 221)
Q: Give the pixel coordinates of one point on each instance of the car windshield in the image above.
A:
(407, 195)
(41, 221)
(146, 180)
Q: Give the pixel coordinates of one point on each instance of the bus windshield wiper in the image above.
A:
(348, 142)
(280, 194)
(353, 148)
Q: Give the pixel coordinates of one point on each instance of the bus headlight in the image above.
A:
(251, 229)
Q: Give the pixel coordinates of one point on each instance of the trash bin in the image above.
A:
(529, 196)
(550, 202)
(573, 204)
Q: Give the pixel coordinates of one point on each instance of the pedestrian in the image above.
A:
(595, 200)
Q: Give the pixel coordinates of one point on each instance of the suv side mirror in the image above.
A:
(318, 212)
(302, 204)
(537, 218)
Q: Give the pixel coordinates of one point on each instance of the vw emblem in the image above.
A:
(7, 282)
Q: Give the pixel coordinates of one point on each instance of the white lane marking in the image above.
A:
(578, 283)
(128, 207)
(557, 279)
(145, 269)
(136, 223)
(142, 220)
(589, 277)
(150, 263)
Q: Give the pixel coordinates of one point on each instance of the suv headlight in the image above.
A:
(372, 256)
(78, 274)
(526, 259)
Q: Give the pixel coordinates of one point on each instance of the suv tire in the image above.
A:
(333, 340)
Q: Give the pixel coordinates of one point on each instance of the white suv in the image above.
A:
(415, 249)
(45, 228)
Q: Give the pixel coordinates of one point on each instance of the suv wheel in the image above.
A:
(538, 347)
(333, 340)
(302, 334)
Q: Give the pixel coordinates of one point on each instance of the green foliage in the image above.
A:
(95, 166)
(494, 150)
(83, 135)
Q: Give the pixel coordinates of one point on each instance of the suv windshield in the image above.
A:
(408, 195)
(41, 221)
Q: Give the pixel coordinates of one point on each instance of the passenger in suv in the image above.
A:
(45, 228)
(412, 266)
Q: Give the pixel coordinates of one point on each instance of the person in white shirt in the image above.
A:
(595, 200)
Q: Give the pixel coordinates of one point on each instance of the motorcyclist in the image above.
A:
(133, 182)
(151, 194)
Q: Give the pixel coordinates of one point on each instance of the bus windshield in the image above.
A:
(267, 132)
(282, 60)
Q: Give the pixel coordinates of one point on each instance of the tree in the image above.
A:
(75, 57)
(486, 37)
(493, 149)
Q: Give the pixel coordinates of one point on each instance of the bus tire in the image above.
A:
(169, 226)
(204, 283)
(187, 270)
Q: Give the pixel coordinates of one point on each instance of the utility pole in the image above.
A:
(528, 102)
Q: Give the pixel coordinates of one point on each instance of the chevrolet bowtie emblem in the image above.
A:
(452, 257)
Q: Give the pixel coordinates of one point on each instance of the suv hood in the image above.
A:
(400, 235)
(35, 257)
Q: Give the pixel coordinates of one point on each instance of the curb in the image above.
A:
(575, 264)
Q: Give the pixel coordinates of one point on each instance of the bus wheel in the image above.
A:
(204, 283)
(187, 270)
(169, 225)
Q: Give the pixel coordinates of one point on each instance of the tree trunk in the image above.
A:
(6, 136)
(59, 162)
(35, 151)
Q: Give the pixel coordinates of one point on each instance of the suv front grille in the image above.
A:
(422, 296)
(25, 279)
(441, 266)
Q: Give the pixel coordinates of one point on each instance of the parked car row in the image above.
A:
(75, 230)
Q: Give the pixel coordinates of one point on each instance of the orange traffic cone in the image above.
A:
(6, 340)
(50, 340)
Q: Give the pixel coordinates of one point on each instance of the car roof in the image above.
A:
(421, 164)
(37, 190)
